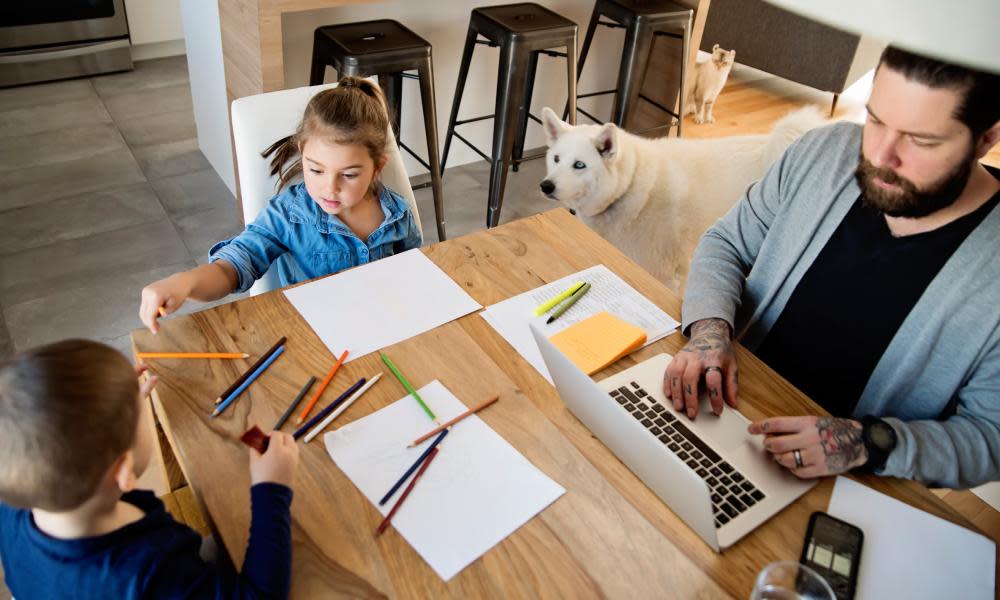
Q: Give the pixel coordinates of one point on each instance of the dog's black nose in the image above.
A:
(547, 187)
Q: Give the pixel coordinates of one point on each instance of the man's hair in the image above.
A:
(979, 109)
(67, 412)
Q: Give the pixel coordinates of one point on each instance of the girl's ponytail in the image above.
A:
(286, 163)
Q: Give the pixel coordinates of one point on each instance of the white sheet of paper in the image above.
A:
(381, 303)
(908, 553)
(510, 318)
(478, 490)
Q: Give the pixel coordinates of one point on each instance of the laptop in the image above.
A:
(713, 474)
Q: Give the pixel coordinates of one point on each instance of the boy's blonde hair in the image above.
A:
(354, 112)
(67, 411)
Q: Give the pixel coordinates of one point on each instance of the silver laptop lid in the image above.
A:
(664, 473)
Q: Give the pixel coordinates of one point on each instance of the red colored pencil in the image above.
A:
(385, 522)
(322, 388)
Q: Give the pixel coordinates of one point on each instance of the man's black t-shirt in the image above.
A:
(852, 300)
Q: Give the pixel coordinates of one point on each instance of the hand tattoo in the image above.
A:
(708, 335)
(841, 442)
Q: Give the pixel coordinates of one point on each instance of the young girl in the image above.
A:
(340, 216)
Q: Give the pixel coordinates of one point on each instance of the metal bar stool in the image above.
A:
(522, 32)
(643, 21)
(387, 49)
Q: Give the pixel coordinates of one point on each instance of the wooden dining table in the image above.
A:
(607, 536)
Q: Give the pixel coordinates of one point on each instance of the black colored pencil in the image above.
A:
(291, 407)
(413, 468)
(239, 381)
(301, 431)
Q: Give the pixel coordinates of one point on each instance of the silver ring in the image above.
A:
(798, 459)
(713, 368)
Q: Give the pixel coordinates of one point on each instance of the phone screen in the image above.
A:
(832, 549)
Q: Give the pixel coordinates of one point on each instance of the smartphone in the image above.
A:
(832, 548)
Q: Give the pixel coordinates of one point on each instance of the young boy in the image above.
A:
(72, 524)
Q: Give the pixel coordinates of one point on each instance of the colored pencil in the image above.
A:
(162, 311)
(301, 431)
(246, 384)
(239, 380)
(385, 522)
(413, 468)
(474, 409)
(291, 407)
(406, 384)
(322, 388)
(347, 404)
(192, 355)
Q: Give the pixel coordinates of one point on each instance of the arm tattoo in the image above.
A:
(841, 442)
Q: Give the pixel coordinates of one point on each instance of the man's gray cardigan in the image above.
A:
(947, 349)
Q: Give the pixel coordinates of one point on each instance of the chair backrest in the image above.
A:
(259, 121)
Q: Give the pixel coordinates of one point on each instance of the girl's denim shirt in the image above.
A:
(306, 242)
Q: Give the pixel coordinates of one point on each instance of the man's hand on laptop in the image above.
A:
(707, 359)
(813, 446)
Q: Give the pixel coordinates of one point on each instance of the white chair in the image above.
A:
(259, 121)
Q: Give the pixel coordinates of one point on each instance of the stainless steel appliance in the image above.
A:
(43, 40)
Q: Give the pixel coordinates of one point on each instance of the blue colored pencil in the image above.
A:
(301, 431)
(410, 471)
(263, 367)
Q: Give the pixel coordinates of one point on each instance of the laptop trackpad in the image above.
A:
(756, 463)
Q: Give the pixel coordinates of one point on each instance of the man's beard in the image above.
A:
(909, 201)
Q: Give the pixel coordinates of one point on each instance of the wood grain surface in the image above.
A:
(608, 536)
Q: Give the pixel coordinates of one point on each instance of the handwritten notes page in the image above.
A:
(608, 292)
(478, 490)
(381, 303)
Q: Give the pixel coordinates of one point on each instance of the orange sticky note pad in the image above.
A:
(598, 341)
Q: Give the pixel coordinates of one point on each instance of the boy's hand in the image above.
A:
(146, 384)
(277, 465)
(169, 293)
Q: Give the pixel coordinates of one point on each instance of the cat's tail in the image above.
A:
(790, 128)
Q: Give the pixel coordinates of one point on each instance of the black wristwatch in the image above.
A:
(879, 439)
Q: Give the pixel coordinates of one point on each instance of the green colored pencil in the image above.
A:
(406, 384)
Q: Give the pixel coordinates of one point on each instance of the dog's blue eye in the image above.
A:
(579, 165)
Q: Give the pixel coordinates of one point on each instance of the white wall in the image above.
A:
(155, 28)
(208, 85)
(445, 27)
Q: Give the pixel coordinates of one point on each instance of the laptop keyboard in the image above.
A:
(731, 492)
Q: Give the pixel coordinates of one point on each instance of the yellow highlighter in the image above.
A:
(548, 304)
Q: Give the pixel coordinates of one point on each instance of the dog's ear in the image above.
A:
(554, 126)
(606, 141)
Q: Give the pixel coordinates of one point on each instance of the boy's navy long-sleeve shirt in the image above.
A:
(155, 557)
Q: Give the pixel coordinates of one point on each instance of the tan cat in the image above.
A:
(709, 78)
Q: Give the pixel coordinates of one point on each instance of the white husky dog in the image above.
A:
(654, 198)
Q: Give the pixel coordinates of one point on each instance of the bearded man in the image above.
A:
(865, 268)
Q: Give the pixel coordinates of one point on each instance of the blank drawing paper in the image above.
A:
(477, 491)
(380, 303)
(908, 553)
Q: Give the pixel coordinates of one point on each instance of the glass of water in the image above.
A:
(790, 580)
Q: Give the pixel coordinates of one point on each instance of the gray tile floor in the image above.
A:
(105, 190)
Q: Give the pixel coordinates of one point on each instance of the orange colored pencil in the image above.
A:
(192, 355)
(406, 492)
(438, 429)
(322, 388)
(162, 311)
